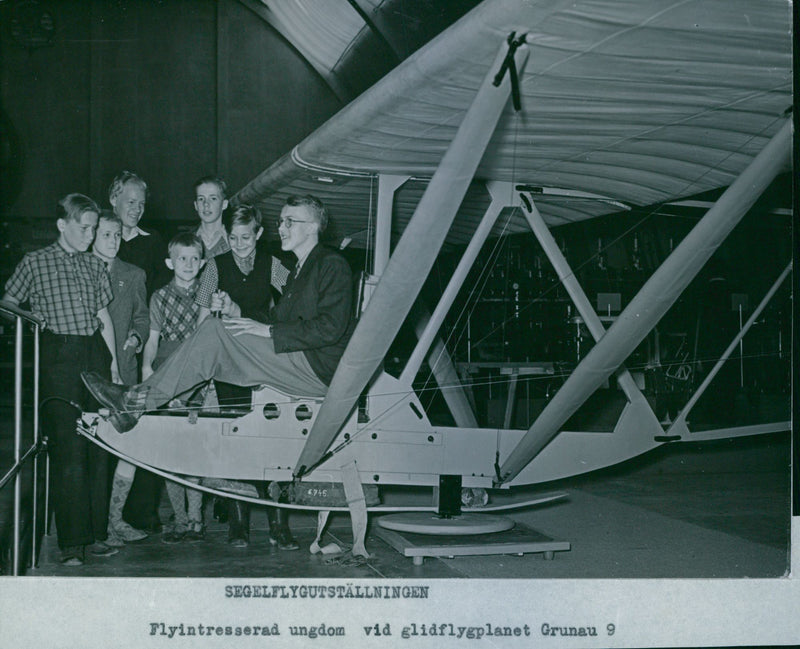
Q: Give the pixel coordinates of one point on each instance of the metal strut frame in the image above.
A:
(679, 427)
(653, 300)
(411, 262)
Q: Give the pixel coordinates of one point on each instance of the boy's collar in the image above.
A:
(184, 288)
(301, 262)
(135, 232)
(108, 261)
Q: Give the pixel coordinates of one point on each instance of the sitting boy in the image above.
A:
(173, 317)
(128, 311)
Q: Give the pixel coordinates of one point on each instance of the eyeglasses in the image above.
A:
(288, 222)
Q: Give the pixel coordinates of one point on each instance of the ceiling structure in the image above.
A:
(624, 102)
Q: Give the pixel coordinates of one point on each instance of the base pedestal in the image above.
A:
(421, 535)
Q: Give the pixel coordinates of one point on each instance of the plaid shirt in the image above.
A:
(221, 245)
(173, 311)
(209, 281)
(66, 289)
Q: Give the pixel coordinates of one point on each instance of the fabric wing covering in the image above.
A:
(637, 101)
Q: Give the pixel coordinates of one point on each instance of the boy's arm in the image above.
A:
(149, 354)
(107, 331)
(8, 298)
(140, 319)
(151, 346)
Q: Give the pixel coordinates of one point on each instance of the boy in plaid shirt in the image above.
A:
(174, 315)
(70, 289)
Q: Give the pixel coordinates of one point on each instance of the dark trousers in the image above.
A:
(78, 468)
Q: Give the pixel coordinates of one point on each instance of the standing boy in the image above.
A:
(144, 248)
(173, 316)
(70, 290)
(210, 202)
(128, 311)
(239, 283)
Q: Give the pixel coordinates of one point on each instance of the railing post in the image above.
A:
(17, 443)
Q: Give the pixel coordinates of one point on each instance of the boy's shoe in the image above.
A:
(175, 535)
(102, 549)
(113, 539)
(125, 532)
(72, 556)
(126, 406)
(196, 531)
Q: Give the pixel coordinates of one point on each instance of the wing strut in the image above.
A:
(411, 262)
(574, 290)
(679, 427)
(653, 300)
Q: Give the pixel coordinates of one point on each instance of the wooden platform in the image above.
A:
(519, 540)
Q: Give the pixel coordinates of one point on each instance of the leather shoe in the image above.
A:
(108, 394)
(111, 396)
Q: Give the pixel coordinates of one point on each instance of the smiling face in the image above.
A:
(243, 238)
(76, 236)
(209, 202)
(186, 262)
(129, 204)
(107, 239)
(303, 233)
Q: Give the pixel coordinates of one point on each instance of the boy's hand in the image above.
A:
(220, 302)
(239, 326)
(115, 377)
(132, 341)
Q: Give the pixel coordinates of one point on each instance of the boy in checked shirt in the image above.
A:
(174, 315)
(70, 289)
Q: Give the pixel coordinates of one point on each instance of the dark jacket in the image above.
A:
(129, 313)
(315, 313)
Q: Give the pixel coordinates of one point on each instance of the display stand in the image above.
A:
(451, 538)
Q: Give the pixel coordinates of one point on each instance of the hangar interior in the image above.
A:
(183, 88)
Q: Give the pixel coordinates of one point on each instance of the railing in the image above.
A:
(21, 319)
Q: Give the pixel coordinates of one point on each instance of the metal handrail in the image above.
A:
(20, 317)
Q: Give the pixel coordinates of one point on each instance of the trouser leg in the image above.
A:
(238, 522)
(246, 360)
(194, 499)
(177, 498)
(141, 507)
(97, 463)
(279, 532)
(79, 470)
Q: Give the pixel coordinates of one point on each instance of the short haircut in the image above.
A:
(122, 179)
(108, 215)
(73, 206)
(212, 180)
(187, 240)
(243, 215)
(314, 205)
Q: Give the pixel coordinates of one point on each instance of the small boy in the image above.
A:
(173, 317)
(128, 311)
(70, 289)
(210, 202)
